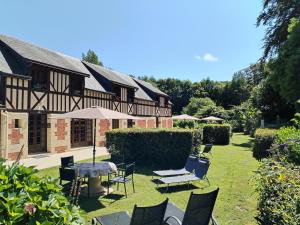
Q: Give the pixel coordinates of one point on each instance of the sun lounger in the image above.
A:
(188, 168)
(201, 169)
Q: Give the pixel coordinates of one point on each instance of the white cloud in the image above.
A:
(207, 57)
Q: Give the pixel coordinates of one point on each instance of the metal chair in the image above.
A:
(67, 161)
(198, 211)
(207, 150)
(124, 178)
(66, 174)
(151, 215)
(75, 190)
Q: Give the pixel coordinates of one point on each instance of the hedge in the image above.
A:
(263, 139)
(218, 134)
(157, 148)
(278, 190)
(288, 139)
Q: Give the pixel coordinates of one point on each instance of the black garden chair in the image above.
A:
(207, 150)
(198, 211)
(125, 177)
(66, 174)
(75, 190)
(67, 161)
(151, 215)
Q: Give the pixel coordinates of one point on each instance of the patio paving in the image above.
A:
(47, 160)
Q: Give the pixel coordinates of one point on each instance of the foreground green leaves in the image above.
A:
(28, 199)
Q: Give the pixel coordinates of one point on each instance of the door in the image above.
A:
(81, 133)
(37, 135)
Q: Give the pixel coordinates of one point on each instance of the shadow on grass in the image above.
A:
(247, 145)
(176, 188)
(112, 197)
(90, 204)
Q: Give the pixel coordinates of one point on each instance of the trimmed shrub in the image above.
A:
(218, 134)
(159, 148)
(263, 139)
(288, 139)
(184, 123)
(28, 199)
(279, 193)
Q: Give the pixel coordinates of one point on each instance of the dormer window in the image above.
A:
(117, 91)
(162, 101)
(39, 79)
(76, 85)
(130, 95)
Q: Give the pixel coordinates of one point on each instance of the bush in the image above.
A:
(184, 124)
(158, 148)
(218, 134)
(279, 192)
(288, 139)
(28, 199)
(263, 139)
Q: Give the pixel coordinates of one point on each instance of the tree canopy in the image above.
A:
(276, 15)
(91, 57)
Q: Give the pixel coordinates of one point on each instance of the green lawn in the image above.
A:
(231, 169)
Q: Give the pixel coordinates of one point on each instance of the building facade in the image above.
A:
(37, 83)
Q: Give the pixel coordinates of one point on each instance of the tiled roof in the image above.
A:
(8, 64)
(110, 75)
(92, 84)
(150, 87)
(44, 56)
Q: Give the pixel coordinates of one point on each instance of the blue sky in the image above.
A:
(191, 39)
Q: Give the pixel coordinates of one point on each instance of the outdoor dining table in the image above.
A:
(94, 172)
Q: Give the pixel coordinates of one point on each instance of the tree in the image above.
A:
(285, 70)
(91, 57)
(202, 107)
(276, 15)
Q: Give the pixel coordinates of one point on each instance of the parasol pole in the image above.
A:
(94, 149)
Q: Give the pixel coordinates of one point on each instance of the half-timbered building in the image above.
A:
(37, 83)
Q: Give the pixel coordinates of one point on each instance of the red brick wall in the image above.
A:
(141, 123)
(169, 123)
(151, 123)
(104, 126)
(61, 149)
(15, 134)
(164, 123)
(12, 155)
(61, 132)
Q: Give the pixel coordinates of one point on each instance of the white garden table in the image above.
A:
(94, 172)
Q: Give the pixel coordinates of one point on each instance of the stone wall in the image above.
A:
(58, 134)
(14, 137)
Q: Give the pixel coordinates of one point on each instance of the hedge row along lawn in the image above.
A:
(231, 169)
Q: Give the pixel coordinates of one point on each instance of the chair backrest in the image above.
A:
(201, 168)
(129, 169)
(117, 158)
(199, 208)
(207, 148)
(190, 163)
(67, 161)
(67, 174)
(152, 215)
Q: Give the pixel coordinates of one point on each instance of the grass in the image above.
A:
(231, 170)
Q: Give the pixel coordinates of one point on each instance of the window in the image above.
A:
(130, 123)
(76, 85)
(117, 91)
(130, 95)
(17, 123)
(115, 124)
(39, 79)
(2, 90)
(162, 101)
